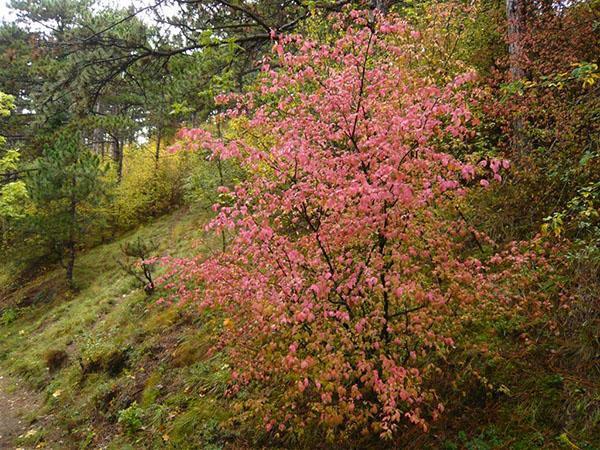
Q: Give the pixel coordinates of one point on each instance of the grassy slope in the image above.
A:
(139, 375)
(123, 351)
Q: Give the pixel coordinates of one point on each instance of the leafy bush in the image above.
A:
(149, 188)
(131, 418)
(353, 274)
(8, 316)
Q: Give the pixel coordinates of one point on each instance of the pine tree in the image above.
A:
(68, 180)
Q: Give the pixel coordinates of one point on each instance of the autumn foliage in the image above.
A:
(352, 273)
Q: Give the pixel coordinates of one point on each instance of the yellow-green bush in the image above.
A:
(149, 187)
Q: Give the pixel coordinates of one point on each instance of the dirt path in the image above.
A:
(13, 404)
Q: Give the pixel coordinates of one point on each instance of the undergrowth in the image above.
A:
(116, 370)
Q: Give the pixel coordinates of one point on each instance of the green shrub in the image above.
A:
(8, 316)
(131, 418)
(148, 188)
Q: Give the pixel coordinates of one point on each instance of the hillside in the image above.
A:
(107, 367)
(90, 355)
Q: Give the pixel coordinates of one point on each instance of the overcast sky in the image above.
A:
(4, 15)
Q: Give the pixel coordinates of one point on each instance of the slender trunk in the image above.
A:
(70, 262)
(157, 151)
(221, 183)
(515, 15)
(115, 149)
(97, 133)
(380, 5)
(71, 241)
(3, 234)
(118, 157)
(120, 163)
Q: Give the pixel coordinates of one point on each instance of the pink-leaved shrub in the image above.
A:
(351, 271)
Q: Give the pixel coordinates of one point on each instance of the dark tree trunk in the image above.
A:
(118, 157)
(120, 163)
(70, 262)
(157, 151)
(70, 266)
(97, 137)
(221, 183)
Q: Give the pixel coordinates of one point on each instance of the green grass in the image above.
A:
(122, 348)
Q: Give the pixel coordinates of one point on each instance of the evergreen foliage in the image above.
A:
(65, 185)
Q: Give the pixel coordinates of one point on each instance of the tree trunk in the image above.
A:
(515, 15)
(157, 151)
(70, 262)
(97, 133)
(120, 163)
(71, 242)
(118, 158)
(221, 183)
(380, 5)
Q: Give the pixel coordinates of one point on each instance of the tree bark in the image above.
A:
(380, 5)
(515, 15)
(221, 183)
(157, 151)
(70, 262)
(118, 157)
(97, 137)
(71, 242)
